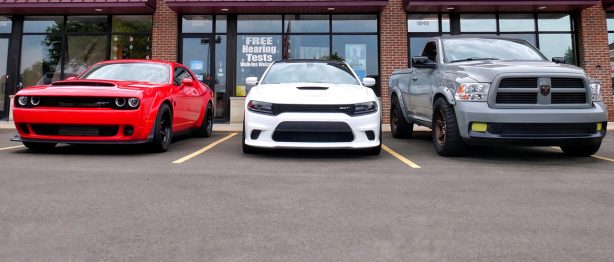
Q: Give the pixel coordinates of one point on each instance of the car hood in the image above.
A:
(486, 71)
(98, 88)
(311, 93)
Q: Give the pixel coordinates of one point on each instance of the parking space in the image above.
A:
(121, 203)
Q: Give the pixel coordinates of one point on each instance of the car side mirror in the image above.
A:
(187, 81)
(251, 81)
(368, 81)
(558, 60)
(71, 78)
(422, 62)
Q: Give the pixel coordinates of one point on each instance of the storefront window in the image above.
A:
(5, 25)
(307, 46)
(197, 24)
(611, 40)
(40, 59)
(254, 54)
(478, 23)
(354, 23)
(259, 24)
(553, 35)
(57, 47)
(360, 52)
(43, 24)
(306, 24)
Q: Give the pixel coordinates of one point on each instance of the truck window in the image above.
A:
(430, 51)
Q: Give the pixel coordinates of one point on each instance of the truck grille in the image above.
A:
(75, 130)
(314, 132)
(526, 91)
(294, 108)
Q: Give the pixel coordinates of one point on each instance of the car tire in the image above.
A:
(399, 127)
(39, 146)
(248, 150)
(163, 129)
(581, 150)
(206, 127)
(446, 137)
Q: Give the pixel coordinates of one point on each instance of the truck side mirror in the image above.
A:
(422, 62)
(558, 60)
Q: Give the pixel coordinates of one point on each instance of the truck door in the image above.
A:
(423, 81)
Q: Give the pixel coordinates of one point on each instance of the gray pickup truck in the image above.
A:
(475, 90)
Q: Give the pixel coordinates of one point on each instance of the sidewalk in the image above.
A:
(239, 127)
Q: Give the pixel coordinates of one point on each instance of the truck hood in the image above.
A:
(311, 93)
(98, 88)
(486, 71)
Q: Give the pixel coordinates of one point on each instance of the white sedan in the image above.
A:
(311, 104)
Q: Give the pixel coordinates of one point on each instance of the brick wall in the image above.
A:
(393, 48)
(594, 52)
(164, 38)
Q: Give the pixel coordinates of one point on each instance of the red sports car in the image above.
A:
(115, 102)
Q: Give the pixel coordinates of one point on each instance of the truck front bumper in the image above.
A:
(480, 124)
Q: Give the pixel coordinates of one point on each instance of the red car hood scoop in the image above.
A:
(82, 83)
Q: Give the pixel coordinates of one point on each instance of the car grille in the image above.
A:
(75, 130)
(77, 102)
(526, 91)
(314, 132)
(294, 108)
(540, 129)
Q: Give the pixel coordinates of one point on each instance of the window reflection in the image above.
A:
(132, 23)
(554, 22)
(360, 52)
(516, 23)
(478, 23)
(259, 24)
(355, 23)
(5, 24)
(197, 23)
(40, 59)
(307, 46)
(86, 24)
(557, 45)
(43, 24)
(306, 24)
(83, 51)
(418, 23)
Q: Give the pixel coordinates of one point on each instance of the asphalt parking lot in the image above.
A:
(84, 203)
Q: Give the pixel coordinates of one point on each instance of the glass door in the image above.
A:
(199, 55)
(4, 50)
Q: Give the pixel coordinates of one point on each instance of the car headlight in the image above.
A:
(260, 107)
(22, 100)
(365, 108)
(472, 92)
(596, 91)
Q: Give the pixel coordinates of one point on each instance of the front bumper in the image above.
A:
(27, 118)
(361, 127)
(540, 125)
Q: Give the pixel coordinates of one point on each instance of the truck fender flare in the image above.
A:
(404, 108)
(446, 92)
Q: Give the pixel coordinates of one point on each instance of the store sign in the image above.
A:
(257, 51)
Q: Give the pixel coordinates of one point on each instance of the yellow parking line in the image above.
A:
(10, 147)
(204, 149)
(400, 157)
(603, 158)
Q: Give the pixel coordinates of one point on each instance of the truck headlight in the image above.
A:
(472, 92)
(365, 108)
(260, 107)
(596, 91)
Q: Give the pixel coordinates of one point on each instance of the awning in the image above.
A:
(497, 5)
(35, 7)
(276, 6)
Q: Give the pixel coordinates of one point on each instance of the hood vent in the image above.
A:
(81, 83)
(312, 88)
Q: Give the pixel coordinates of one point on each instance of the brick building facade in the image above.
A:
(210, 35)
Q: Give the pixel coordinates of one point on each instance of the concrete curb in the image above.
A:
(8, 125)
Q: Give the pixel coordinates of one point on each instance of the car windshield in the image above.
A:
(316, 72)
(472, 49)
(141, 72)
